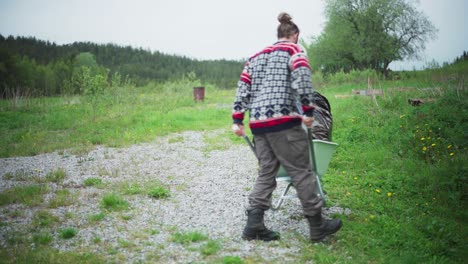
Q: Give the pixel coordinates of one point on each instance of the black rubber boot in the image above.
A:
(256, 229)
(320, 228)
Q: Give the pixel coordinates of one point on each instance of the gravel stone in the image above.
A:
(208, 194)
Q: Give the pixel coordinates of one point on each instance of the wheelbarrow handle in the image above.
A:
(251, 145)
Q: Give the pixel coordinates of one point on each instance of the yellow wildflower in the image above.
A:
(422, 139)
(452, 154)
(377, 190)
(424, 148)
(355, 178)
(433, 145)
(449, 146)
(389, 194)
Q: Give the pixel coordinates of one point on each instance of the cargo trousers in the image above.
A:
(289, 148)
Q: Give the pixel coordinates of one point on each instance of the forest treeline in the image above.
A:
(33, 67)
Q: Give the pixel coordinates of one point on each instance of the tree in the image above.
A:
(362, 34)
(136, 64)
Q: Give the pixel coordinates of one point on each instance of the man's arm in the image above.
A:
(241, 101)
(301, 81)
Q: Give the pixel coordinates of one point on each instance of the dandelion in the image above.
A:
(433, 145)
(355, 178)
(424, 148)
(422, 139)
(377, 190)
(449, 146)
(452, 154)
(389, 194)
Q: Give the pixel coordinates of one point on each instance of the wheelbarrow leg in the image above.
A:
(319, 187)
(281, 199)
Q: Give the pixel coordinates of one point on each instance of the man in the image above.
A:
(271, 83)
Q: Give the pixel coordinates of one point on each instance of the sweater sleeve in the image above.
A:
(301, 80)
(242, 99)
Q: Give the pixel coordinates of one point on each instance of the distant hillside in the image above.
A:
(140, 65)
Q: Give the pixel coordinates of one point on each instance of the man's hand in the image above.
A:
(238, 130)
(308, 121)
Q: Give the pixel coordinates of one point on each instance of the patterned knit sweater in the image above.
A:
(270, 85)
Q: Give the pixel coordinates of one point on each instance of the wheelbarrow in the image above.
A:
(320, 155)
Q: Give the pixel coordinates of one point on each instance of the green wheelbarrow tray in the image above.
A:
(321, 153)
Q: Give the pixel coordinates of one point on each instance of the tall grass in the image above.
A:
(401, 169)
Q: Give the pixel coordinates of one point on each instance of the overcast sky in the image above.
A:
(204, 29)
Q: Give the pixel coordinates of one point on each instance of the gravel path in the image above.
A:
(208, 193)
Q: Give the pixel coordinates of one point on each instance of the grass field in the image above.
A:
(400, 168)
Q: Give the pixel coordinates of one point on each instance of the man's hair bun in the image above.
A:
(284, 18)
